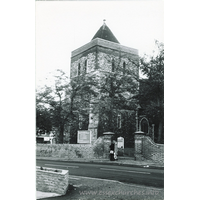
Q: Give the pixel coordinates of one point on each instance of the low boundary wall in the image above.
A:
(152, 150)
(100, 149)
(66, 151)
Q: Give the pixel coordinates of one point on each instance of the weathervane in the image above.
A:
(104, 21)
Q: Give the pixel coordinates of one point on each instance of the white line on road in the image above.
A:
(125, 171)
(99, 179)
(62, 166)
(70, 177)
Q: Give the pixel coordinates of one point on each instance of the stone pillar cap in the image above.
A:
(139, 132)
(108, 133)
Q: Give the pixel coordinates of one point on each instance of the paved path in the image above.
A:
(82, 188)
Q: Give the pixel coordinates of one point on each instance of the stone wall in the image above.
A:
(151, 150)
(100, 149)
(66, 151)
(49, 180)
(89, 57)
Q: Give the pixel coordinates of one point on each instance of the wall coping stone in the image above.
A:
(139, 132)
(52, 170)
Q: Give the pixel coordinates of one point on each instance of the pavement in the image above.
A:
(125, 161)
(83, 188)
(41, 195)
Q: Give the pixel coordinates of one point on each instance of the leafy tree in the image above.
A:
(43, 120)
(56, 102)
(82, 90)
(152, 89)
(66, 102)
(117, 88)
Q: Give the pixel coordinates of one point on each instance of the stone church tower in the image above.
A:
(91, 56)
(95, 57)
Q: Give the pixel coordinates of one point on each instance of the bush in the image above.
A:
(78, 153)
(99, 150)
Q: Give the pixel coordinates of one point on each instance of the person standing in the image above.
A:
(112, 146)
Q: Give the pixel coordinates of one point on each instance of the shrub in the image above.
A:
(78, 153)
(98, 149)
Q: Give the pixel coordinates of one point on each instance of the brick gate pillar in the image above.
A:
(139, 135)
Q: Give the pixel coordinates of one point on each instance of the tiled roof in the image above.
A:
(105, 33)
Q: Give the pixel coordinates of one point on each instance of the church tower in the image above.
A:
(91, 56)
(98, 56)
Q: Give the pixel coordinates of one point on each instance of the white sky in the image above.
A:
(63, 26)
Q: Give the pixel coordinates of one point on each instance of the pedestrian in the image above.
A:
(112, 152)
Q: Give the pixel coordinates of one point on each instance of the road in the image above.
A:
(127, 174)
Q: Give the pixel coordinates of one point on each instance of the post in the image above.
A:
(153, 131)
(136, 117)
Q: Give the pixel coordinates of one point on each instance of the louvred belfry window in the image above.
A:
(85, 69)
(79, 69)
(113, 66)
(124, 68)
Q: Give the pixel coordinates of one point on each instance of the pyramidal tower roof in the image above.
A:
(105, 33)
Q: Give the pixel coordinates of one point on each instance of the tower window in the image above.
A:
(124, 68)
(113, 66)
(79, 69)
(85, 69)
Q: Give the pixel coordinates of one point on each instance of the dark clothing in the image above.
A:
(112, 157)
(112, 152)
(112, 146)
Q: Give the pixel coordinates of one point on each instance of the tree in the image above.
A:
(43, 120)
(55, 101)
(82, 90)
(66, 103)
(151, 95)
(117, 87)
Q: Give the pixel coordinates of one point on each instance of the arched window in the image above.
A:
(79, 69)
(124, 68)
(113, 65)
(144, 125)
(85, 69)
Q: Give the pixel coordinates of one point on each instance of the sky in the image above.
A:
(63, 26)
